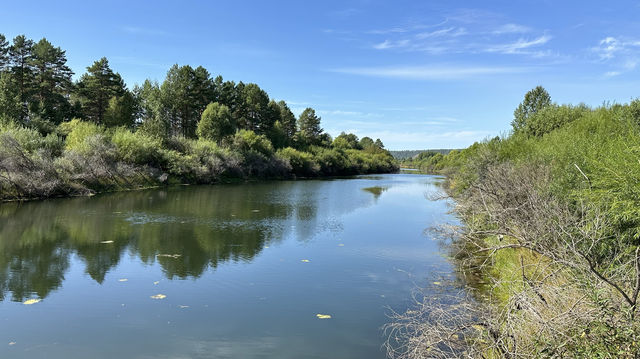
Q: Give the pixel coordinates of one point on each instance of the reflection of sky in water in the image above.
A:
(230, 265)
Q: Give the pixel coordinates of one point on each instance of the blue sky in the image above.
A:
(417, 74)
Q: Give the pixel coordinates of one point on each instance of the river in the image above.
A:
(228, 271)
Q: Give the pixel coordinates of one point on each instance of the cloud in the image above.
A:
(519, 46)
(450, 32)
(391, 44)
(430, 72)
(610, 47)
(511, 29)
(623, 54)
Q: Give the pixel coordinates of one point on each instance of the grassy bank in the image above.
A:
(552, 228)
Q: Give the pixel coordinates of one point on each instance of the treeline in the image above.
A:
(413, 154)
(60, 137)
(552, 232)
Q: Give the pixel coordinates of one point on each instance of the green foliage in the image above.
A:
(309, 129)
(97, 135)
(552, 117)
(216, 123)
(247, 141)
(534, 101)
(136, 147)
(95, 90)
(77, 132)
(121, 111)
(302, 163)
(346, 141)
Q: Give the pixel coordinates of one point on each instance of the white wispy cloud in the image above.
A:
(387, 44)
(620, 53)
(448, 32)
(519, 46)
(610, 47)
(511, 29)
(430, 72)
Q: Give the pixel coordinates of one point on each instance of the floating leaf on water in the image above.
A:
(341, 245)
(174, 256)
(255, 210)
(122, 280)
(31, 301)
(156, 282)
(106, 242)
(437, 283)
(323, 316)
(183, 306)
(305, 260)
(158, 296)
(12, 343)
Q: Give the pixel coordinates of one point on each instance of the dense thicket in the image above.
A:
(58, 137)
(552, 226)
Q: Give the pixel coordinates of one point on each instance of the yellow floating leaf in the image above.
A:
(156, 282)
(106, 242)
(341, 245)
(323, 316)
(158, 296)
(31, 301)
(122, 280)
(305, 260)
(437, 283)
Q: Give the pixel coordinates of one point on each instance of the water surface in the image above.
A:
(242, 270)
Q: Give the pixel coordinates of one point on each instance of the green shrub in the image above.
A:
(77, 132)
(302, 163)
(247, 141)
(136, 147)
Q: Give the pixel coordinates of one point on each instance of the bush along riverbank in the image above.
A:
(551, 240)
(61, 138)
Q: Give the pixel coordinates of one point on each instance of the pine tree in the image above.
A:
(52, 82)
(20, 60)
(96, 88)
(309, 126)
(4, 53)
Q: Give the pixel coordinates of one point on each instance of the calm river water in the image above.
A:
(226, 271)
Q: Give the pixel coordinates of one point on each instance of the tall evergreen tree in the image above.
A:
(309, 130)
(20, 60)
(97, 87)
(288, 120)
(186, 93)
(4, 53)
(151, 110)
(52, 82)
(256, 115)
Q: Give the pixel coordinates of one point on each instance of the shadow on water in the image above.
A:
(186, 230)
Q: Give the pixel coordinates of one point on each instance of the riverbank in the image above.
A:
(551, 229)
(83, 159)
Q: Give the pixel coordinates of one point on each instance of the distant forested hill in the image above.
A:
(401, 155)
